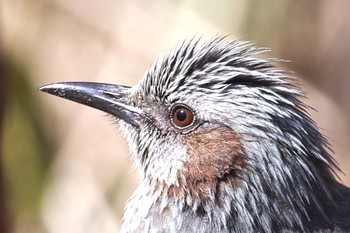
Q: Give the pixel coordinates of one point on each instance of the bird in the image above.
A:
(223, 142)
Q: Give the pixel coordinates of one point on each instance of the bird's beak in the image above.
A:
(105, 97)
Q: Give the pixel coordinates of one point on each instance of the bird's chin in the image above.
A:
(130, 133)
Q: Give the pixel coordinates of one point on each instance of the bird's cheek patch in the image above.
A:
(215, 158)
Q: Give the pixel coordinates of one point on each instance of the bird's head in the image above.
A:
(210, 120)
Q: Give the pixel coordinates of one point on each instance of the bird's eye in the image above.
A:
(182, 116)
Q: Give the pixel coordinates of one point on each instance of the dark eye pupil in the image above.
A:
(181, 115)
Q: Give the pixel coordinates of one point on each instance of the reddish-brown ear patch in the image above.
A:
(215, 158)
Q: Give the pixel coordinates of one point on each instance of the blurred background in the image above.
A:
(65, 167)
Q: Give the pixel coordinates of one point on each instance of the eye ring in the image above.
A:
(182, 116)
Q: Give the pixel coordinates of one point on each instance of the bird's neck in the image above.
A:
(163, 209)
(263, 199)
(240, 209)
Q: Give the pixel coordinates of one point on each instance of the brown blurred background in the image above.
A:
(65, 167)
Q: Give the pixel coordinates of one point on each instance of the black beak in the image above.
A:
(105, 97)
